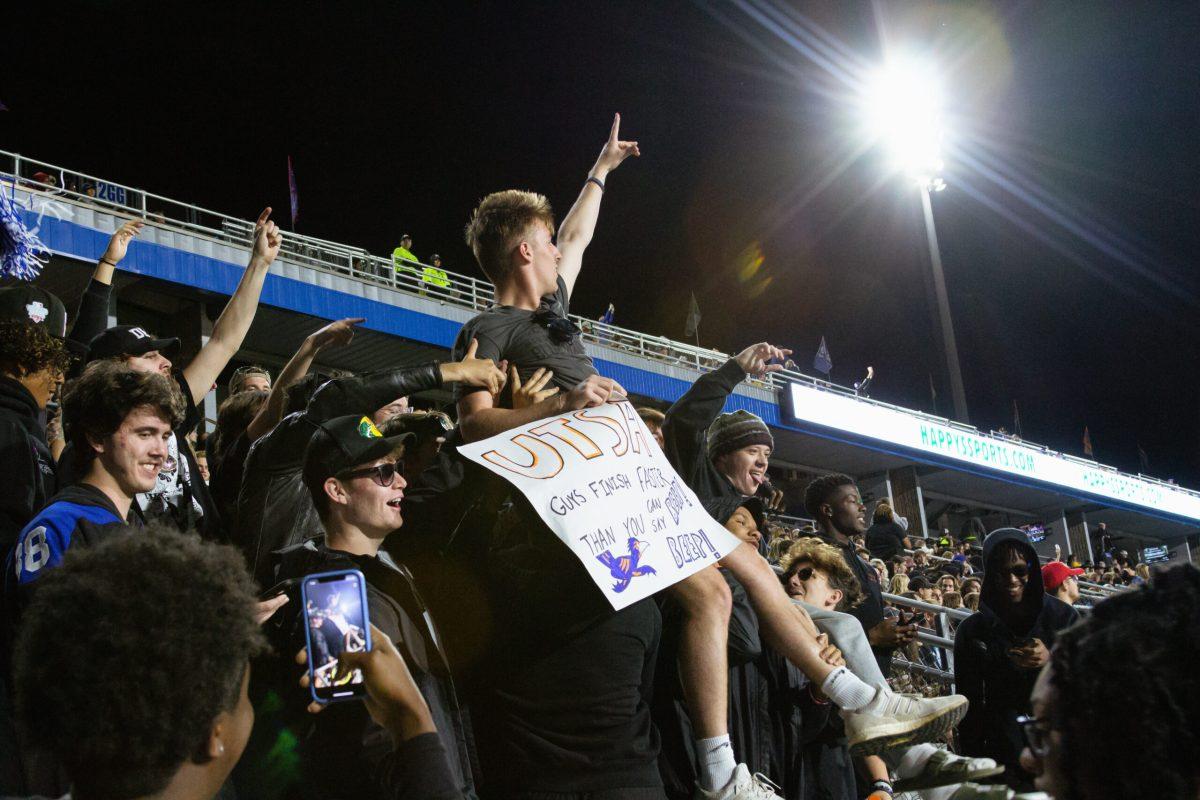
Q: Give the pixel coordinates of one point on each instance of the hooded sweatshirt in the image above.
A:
(27, 470)
(998, 690)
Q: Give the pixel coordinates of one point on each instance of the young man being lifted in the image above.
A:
(567, 701)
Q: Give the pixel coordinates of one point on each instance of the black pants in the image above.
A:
(568, 715)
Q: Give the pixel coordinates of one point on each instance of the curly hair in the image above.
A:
(820, 490)
(98, 401)
(26, 348)
(497, 223)
(1146, 643)
(829, 560)
(233, 417)
(129, 651)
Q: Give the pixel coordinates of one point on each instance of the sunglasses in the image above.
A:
(384, 474)
(804, 573)
(1036, 734)
(562, 330)
(1018, 571)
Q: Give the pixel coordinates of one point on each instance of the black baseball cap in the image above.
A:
(344, 443)
(128, 340)
(26, 302)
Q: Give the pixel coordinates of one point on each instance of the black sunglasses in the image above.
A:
(1019, 571)
(384, 474)
(804, 573)
(562, 330)
(1036, 733)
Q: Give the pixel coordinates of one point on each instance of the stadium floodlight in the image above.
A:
(903, 111)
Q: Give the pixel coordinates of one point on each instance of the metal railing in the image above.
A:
(941, 637)
(464, 290)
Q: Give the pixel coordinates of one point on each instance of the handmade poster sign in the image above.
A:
(601, 483)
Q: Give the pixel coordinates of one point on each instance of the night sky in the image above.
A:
(1070, 228)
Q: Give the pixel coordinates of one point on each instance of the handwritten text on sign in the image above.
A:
(600, 482)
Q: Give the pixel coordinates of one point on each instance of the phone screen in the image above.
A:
(335, 619)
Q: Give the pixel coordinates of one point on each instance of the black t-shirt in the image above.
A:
(524, 338)
(885, 540)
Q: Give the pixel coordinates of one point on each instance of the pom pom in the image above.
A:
(22, 254)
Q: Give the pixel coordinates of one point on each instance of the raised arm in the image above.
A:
(575, 233)
(688, 417)
(92, 316)
(231, 328)
(335, 334)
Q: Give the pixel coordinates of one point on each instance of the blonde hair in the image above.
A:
(828, 559)
(1142, 571)
(498, 223)
(899, 584)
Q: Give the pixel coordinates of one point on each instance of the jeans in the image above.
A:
(847, 633)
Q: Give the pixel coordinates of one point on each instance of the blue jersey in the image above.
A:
(78, 516)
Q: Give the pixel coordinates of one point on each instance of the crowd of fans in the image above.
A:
(154, 634)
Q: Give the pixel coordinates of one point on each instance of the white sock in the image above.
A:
(914, 760)
(716, 762)
(846, 690)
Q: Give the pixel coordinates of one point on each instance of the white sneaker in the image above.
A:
(893, 720)
(742, 786)
(946, 769)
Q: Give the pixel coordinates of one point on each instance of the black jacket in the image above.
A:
(91, 318)
(774, 724)
(343, 749)
(886, 540)
(274, 507)
(27, 470)
(998, 690)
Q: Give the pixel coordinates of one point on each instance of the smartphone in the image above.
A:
(282, 587)
(335, 622)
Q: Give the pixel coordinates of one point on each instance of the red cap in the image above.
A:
(1054, 573)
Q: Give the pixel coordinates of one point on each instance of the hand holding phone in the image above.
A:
(392, 697)
(335, 622)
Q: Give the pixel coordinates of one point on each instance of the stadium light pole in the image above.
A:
(903, 105)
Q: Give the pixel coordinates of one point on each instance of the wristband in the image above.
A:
(104, 260)
(596, 181)
(883, 786)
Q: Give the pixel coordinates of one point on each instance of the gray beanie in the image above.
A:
(734, 431)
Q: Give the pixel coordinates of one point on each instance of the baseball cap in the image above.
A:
(343, 443)
(129, 340)
(1054, 573)
(27, 302)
